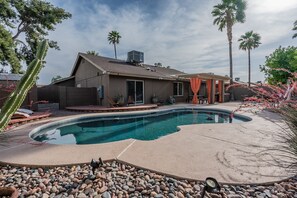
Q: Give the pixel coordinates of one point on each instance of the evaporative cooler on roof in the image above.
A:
(135, 57)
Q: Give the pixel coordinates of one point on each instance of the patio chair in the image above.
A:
(202, 99)
(112, 103)
(19, 119)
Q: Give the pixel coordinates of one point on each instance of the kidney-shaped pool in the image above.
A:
(145, 126)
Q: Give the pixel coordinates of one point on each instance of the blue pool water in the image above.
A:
(142, 127)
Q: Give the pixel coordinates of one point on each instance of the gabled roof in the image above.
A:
(122, 68)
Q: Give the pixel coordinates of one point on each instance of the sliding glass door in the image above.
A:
(135, 92)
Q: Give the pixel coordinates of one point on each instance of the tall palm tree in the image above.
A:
(114, 38)
(227, 14)
(249, 41)
(295, 28)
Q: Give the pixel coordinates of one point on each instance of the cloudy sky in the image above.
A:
(178, 33)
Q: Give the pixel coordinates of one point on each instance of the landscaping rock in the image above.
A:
(82, 195)
(106, 195)
(120, 180)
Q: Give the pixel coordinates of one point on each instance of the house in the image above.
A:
(135, 81)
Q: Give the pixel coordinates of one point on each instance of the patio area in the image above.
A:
(232, 153)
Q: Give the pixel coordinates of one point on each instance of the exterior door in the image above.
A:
(135, 92)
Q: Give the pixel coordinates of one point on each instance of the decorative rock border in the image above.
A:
(115, 179)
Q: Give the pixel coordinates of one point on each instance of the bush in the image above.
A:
(281, 99)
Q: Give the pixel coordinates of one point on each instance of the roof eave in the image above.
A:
(141, 76)
(74, 68)
(205, 76)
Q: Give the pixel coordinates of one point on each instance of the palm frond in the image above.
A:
(295, 28)
(114, 37)
(222, 25)
(249, 40)
(240, 11)
(219, 13)
(240, 17)
(229, 12)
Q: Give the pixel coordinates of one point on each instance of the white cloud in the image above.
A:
(272, 7)
(180, 34)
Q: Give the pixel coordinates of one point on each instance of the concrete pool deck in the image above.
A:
(232, 153)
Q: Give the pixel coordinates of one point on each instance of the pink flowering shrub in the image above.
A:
(273, 97)
(281, 98)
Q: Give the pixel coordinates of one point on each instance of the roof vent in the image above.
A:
(151, 69)
(135, 57)
(158, 64)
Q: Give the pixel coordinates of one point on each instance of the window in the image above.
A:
(178, 89)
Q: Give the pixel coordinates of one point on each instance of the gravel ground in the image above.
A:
(115, 179)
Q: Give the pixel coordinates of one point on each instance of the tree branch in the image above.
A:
(20, 30)
(17, 40)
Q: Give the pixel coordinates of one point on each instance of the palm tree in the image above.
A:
(114, 38)
(93, 53)
(227, 14)
(295, 28)
(248, 41)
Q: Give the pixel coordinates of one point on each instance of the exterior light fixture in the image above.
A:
(96, 164)
(211, 186)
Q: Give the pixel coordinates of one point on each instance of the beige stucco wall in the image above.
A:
(89, 76)
(161, 88)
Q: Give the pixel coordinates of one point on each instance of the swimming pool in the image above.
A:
(145, 126)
